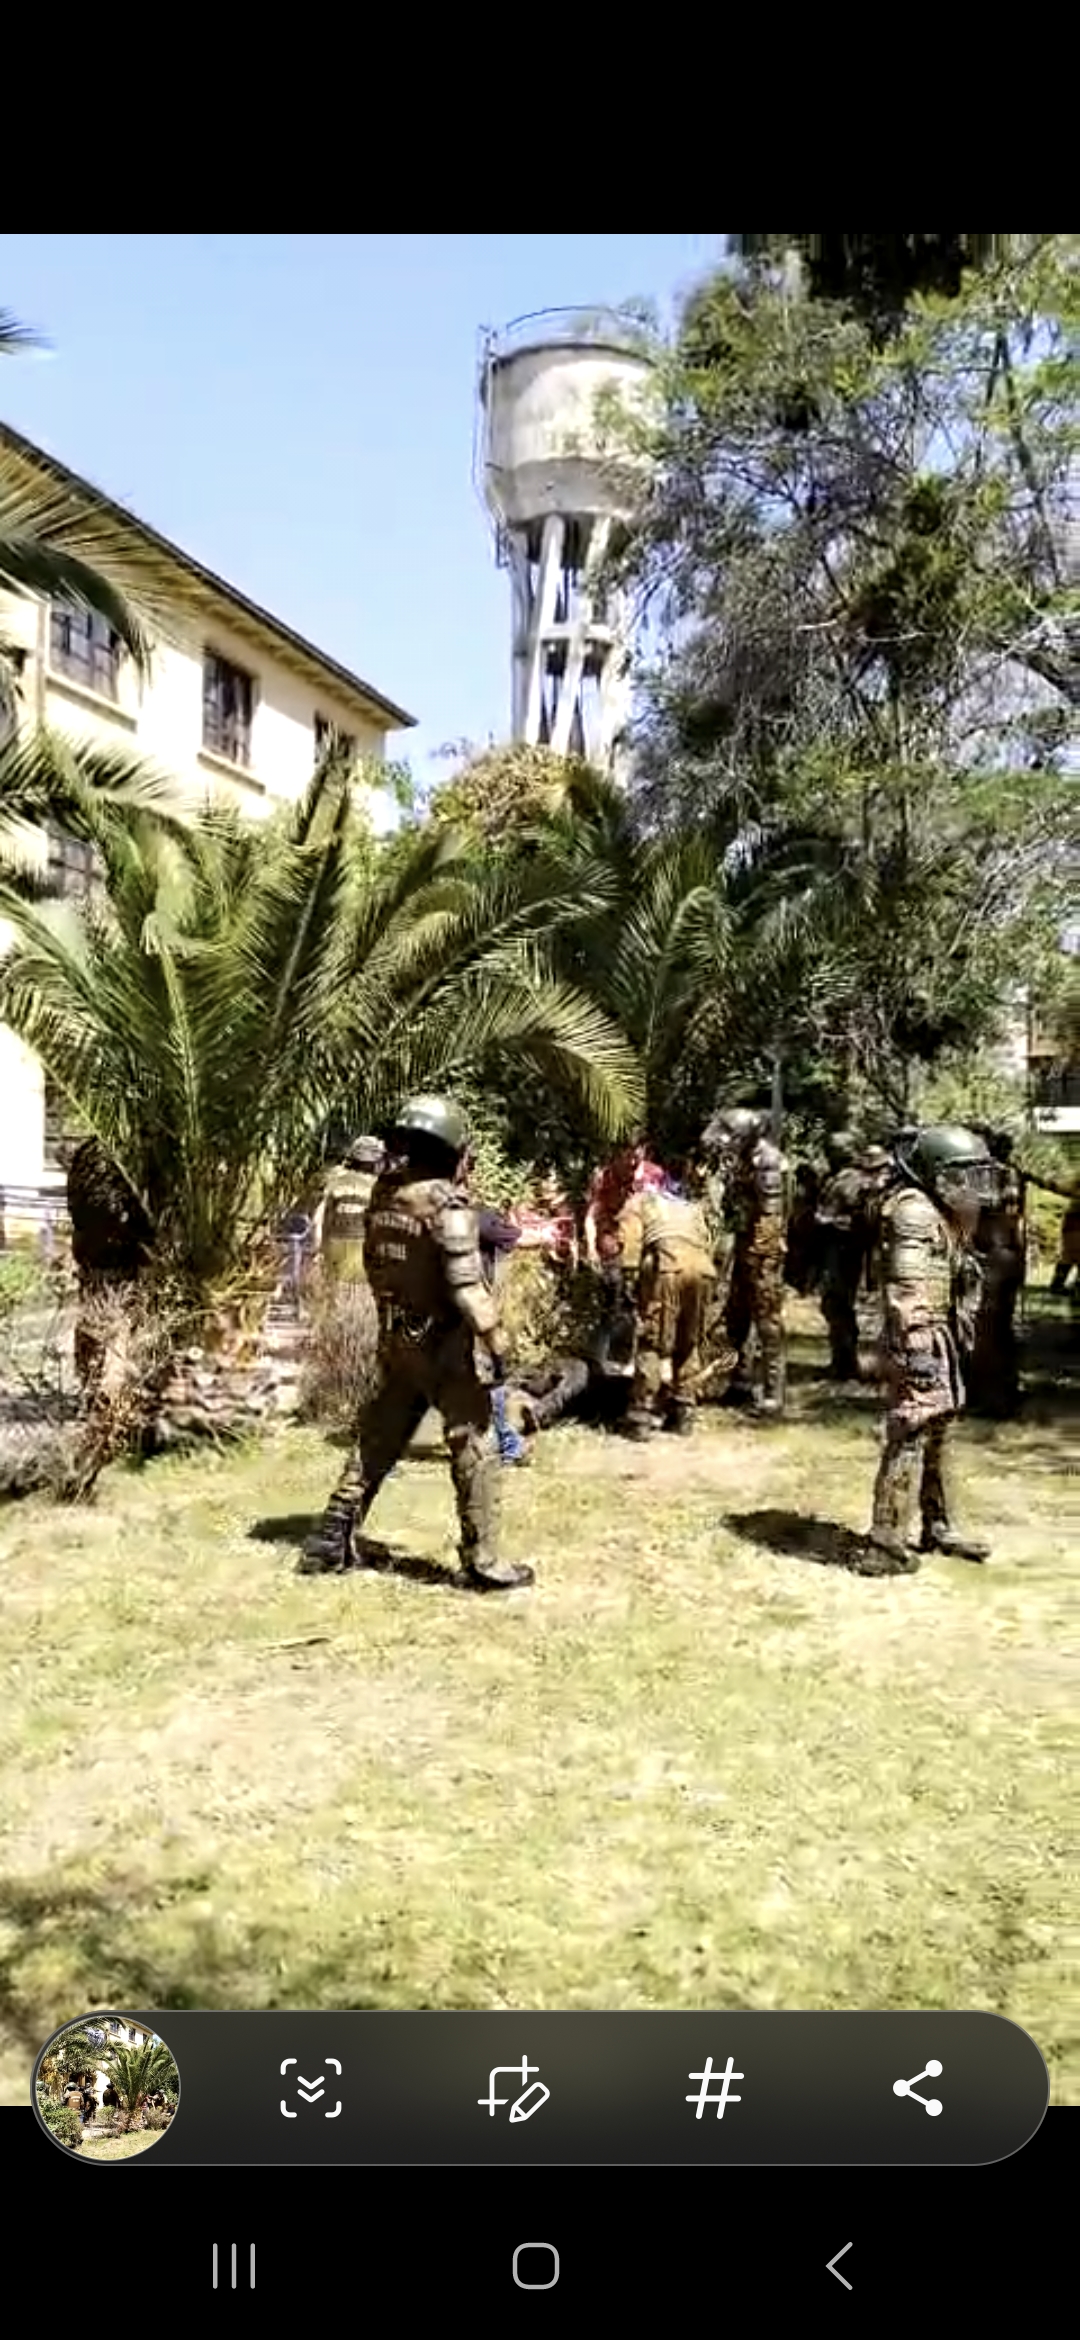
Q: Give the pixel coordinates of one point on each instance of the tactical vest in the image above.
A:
(347, 1197)
(929, 1257)
(405, 1265)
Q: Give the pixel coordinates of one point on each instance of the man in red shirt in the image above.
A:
(629, 1172)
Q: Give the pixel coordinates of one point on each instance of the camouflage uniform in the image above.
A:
(422, 1255)
(846, 1219)
(348, 1194)
(757, 1209)
(675, 1276)
(930, 1288)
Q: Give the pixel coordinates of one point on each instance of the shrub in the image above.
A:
(22, 1279)
(65, 2124)
(548, 1311)
(340, 1361)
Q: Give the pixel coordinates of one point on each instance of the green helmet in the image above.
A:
(947, 1157)
(874, 1158)
(435, 1117)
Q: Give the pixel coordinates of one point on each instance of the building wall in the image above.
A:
(161, 717)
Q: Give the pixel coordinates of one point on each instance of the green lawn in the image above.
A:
(697, 1765)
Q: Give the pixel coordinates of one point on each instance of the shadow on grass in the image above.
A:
(294, 1527)
(797, 1535)
(84, 1937)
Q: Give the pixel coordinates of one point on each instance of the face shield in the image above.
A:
(965, 1188)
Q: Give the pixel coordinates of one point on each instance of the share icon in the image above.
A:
(931, 2104)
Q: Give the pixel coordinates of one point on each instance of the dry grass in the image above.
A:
(101, 2147)
(695, 1766)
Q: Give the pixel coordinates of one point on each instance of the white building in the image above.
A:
(236, 704)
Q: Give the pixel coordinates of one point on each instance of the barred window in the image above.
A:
(72, 865)
(83, 646)
(228, 703)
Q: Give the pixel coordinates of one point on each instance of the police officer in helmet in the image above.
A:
(436, 1311)
(930, 1289)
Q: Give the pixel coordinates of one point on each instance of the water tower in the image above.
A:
(561, 484)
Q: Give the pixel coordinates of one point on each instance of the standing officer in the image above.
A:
(756, 1205)
(931, 1283)
(846, 1217)
(422, 1256)
(339, 1220)
(675, 1273)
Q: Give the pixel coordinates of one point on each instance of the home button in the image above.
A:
(536, 2266)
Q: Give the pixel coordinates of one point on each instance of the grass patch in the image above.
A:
(698, 1765)
(118, 2148)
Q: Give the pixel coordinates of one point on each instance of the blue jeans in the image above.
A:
(511, 1444)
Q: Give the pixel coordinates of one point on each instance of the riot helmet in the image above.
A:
(366, 1153)
(434, 1121)
(733, 1127)
(955, 1165)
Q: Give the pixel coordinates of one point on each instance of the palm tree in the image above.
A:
(138, 2072)
(236, 995)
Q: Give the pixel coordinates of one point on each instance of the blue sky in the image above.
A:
(297, 412)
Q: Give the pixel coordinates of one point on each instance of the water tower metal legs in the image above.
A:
(558, 644)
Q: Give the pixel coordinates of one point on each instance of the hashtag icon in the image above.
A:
(724, 2097)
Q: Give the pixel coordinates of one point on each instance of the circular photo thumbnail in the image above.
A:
(106, 2087)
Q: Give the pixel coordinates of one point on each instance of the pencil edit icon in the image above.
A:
(532, 2096)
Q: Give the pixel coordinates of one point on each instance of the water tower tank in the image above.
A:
(561, 483)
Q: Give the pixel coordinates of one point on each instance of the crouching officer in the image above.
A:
(674, 1281)
(422, 1256)
(931, 1287)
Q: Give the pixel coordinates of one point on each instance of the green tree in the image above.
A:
(70, 2056)
(867, 694)
(877, 277)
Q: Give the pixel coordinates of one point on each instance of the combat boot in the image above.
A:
(937, 1536)
(680, 1420)
(497, 1575)
(886, 1554)
(337, 1544)
(330, 1549)
(639, 1426)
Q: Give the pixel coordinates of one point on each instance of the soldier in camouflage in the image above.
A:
(930, 1289)
(675, 1273)
(422, 1257)
(845, 1224)
(339, 1221)
(755, 1179)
